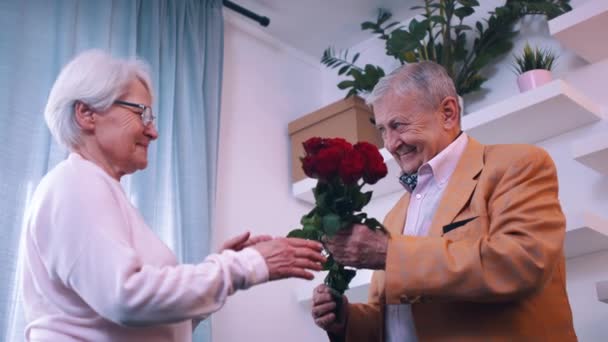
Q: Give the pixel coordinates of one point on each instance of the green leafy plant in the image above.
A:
(440, 35)
(533, 59)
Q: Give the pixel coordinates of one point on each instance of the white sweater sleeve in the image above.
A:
(87, 248)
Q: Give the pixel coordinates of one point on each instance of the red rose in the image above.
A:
(368, 150)
(328, 161)
(313, 145)
(308, 165)
(374, 172)
(340, 143)
(351, 167)
(375, 168)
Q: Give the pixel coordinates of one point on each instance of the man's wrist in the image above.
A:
(382, 253)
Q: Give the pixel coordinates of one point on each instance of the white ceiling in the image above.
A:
(312, 25)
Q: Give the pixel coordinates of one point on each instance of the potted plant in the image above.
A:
(442, 36)
(533, 67)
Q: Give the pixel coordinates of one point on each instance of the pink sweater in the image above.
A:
(94, 271)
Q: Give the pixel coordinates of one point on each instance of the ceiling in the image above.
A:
(312, 25)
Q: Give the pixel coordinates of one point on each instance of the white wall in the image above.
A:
(266, 85)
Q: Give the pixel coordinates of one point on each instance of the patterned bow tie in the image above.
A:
(409, 181)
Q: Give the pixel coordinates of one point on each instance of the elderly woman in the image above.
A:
(93, 270)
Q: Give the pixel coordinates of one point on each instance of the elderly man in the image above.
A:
(475, 249)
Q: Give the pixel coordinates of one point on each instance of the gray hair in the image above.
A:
(428, 81)
(95, 78)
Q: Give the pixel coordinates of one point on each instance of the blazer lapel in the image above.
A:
(395, 220)
(460, 187)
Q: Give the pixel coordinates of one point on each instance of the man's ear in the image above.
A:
(84, 116)
(450, 111)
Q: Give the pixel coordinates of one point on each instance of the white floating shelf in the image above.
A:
(602, 291)
(585, 233)
(533, 116)
(593, 152)
(583, 29)
(387, 185)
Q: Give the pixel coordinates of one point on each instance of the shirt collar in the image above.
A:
(444, 163)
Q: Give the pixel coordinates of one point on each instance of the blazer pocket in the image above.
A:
(449, 227)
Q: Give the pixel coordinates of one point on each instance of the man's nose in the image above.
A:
(391, 141)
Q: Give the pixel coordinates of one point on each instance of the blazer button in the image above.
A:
(417, 299)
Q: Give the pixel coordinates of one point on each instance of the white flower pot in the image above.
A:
(533, 79)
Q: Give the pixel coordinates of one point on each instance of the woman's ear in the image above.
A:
(84, 116)
(450, 111)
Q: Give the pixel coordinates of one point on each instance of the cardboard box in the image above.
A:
(347, 118)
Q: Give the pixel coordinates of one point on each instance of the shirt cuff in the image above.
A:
(257, 265)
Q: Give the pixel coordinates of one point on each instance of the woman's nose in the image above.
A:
(151, 131)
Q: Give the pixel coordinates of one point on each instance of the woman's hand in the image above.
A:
(243, 240)
(291, 257)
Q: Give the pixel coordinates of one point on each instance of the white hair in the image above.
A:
(426, 80)
(94, 78)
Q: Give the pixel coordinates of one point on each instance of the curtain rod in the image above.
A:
(264, 21)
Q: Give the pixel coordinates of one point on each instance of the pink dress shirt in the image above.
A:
(433, 178)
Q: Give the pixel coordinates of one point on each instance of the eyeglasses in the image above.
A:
(146, 115)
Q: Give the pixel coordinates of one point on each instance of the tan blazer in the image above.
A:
(499, 276)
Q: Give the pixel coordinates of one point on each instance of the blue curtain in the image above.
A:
(183, 42)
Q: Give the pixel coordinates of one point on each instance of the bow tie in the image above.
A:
(409, 181)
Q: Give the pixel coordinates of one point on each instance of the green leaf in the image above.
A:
(345, 84)
(468, 3)
(343, 69)
(400, 42)
(304, 234)
(359, 217)
(383, 16)
(363, 199)
(462, 27)
(349, 274)
(463, 12)
(355, 58)
(331, 224)
(355, 74)
(343, 205)
(297, 233)
(368, 25)
(312, 223)
(413, 24)
(329, 264)
(339, 279)
(372, 223)
(418, 29)
(437, 19)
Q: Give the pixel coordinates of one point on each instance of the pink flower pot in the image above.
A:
(533, 78)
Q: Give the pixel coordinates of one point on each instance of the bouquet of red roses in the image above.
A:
(341, 170)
